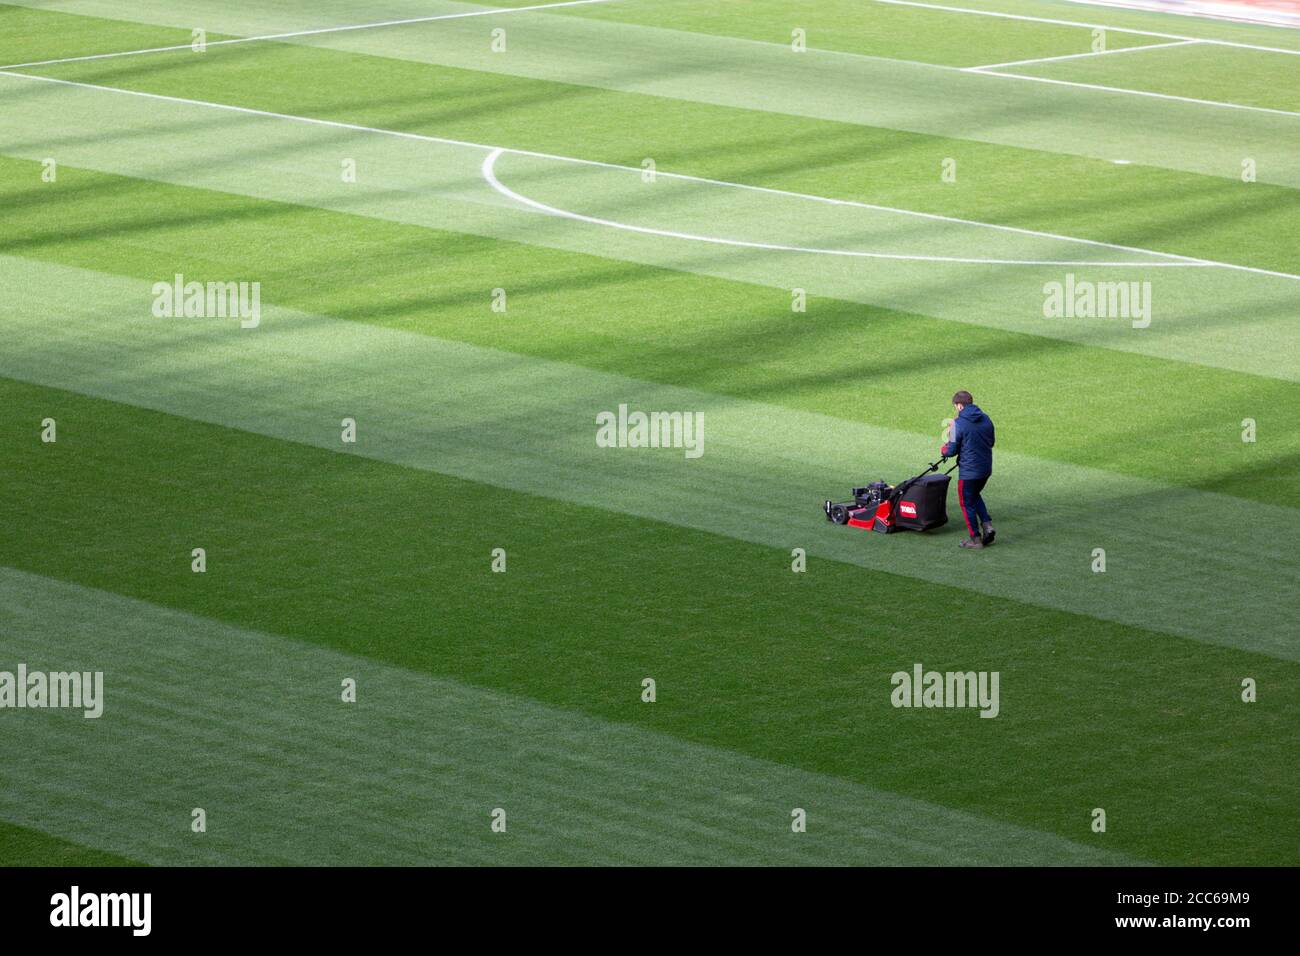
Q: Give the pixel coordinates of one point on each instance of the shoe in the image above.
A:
(987, 536)
(970, 543)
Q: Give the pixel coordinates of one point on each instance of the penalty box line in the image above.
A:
(421, 137)
(1079, 56)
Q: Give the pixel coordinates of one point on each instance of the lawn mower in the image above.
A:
(918, 504)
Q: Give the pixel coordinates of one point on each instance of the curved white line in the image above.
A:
(489, 174)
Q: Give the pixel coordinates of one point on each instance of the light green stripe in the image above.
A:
(1185, 562)
(249, 726)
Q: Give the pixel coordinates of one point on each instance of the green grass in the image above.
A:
(1148, 207)
(27, 36)
(868, 29)
(849, 26)
(750, 657)
(366, 557)
(20, 846)
(1067, 402)
(1205, 72)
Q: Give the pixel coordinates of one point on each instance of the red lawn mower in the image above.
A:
(918, 504)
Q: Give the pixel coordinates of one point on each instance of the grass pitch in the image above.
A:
(385, 188)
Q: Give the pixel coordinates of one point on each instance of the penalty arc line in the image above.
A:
(421, 137)
(489, 174)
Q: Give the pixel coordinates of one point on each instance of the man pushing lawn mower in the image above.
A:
(972, 446)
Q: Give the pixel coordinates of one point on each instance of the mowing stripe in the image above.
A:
(1227, 318)
(250, 727)
(403, 264)
(933, 100)
(989, 70)
(982, 70)
(310, 33)
(455, 409)
(1079, 56)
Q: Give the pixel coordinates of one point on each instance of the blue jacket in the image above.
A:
(972, 443)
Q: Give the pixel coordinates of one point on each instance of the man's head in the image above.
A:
(961, 399)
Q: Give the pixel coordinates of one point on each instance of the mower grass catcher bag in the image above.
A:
(917, 504)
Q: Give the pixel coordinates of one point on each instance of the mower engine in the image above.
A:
(863, 507)
(873, 494)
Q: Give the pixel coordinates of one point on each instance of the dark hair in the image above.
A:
(963, 398)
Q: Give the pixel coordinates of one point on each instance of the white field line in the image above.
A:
(989, 71)
(983, 70)
(420, 137)
(1089, 26)
(489, 173)
(317, 32)
(1078, 56)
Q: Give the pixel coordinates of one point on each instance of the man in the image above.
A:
(972, 446)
